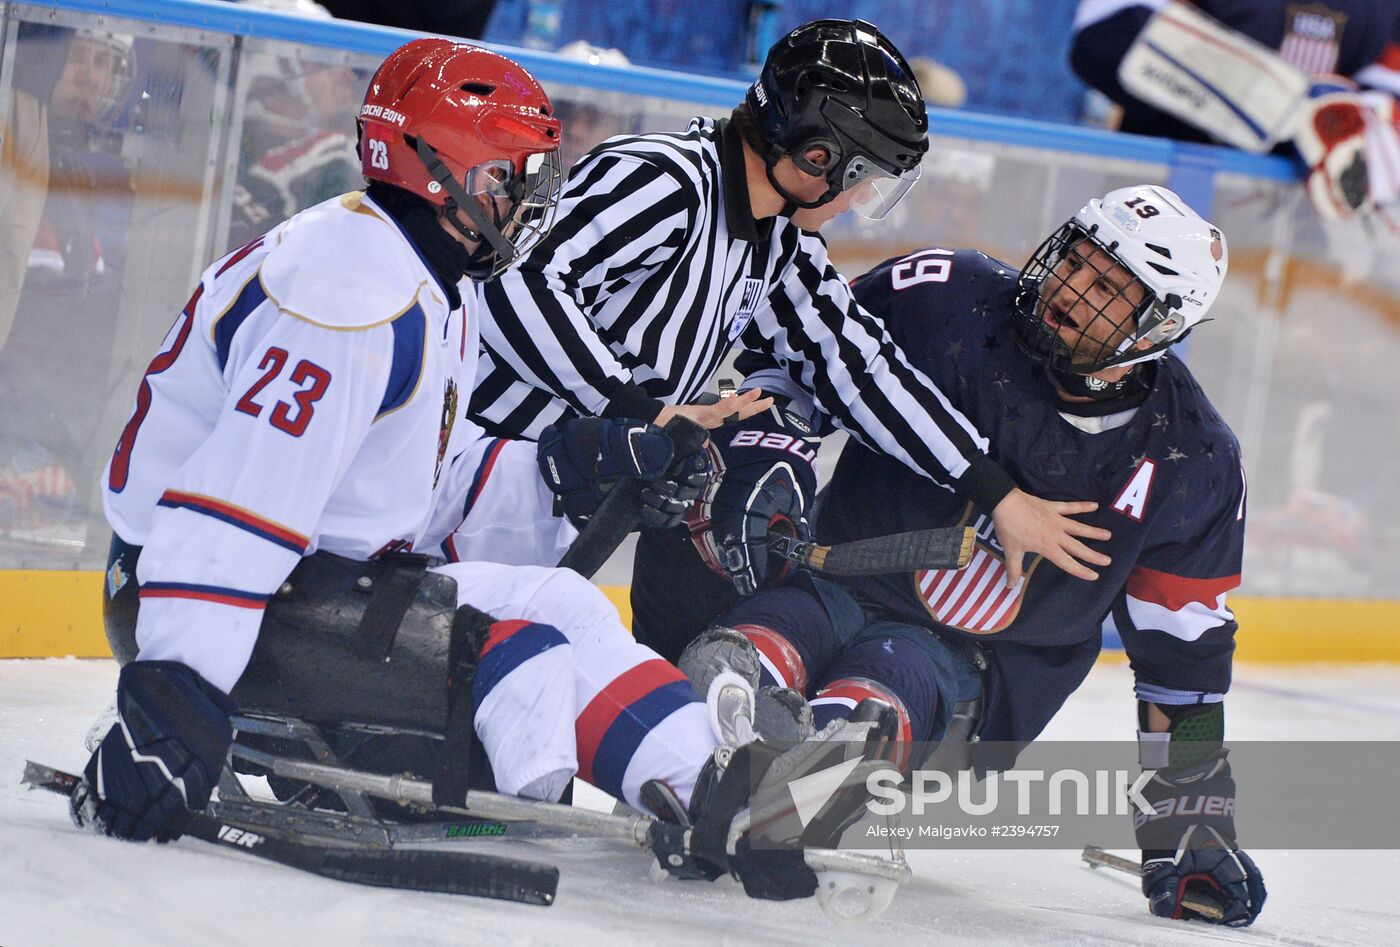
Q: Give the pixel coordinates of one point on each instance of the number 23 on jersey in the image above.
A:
(312, 379)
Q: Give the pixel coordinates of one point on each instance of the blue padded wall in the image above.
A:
(1012, 54)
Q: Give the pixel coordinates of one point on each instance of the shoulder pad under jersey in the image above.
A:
(345, 264)
(936, 283)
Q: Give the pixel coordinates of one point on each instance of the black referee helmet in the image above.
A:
(843, 86)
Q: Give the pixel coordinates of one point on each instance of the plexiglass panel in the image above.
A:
(135, 152)
(113, 138)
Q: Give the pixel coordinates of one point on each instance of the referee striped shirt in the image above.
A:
(655, 268)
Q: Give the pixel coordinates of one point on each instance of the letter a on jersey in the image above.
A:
(1132, 500)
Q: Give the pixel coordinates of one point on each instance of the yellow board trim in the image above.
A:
(55, 614)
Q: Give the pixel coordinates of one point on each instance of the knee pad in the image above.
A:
(850, 691)
(777, 655)
(798, 616)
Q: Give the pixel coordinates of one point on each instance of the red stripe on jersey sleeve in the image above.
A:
(498, 632)
(239, 254)
(237, 516)
(1175, 592)
(1390, 57)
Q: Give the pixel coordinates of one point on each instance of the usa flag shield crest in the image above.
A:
(975, 599)
(1313, 38)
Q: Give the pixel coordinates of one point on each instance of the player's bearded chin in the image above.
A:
(1087, 332)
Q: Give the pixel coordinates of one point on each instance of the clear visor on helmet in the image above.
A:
(525, 201)
(874, 191)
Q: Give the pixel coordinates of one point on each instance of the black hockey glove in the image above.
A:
(666, 501)
(767, 477)
(1188, 846)
(161, 759)
(580, 460)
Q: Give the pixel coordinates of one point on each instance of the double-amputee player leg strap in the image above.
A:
(392, 582)
(469, 630)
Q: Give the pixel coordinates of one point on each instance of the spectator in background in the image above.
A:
(942, 87)
(597, 115)
(84, 154)
(63, 311)
(39, 53)
(1329, 98)
(298, 148)
(282, 174)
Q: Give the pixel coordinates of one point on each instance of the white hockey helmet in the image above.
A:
(1177, 257)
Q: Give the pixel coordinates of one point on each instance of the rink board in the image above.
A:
(57, 614)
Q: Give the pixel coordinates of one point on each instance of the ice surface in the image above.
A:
(59, 886)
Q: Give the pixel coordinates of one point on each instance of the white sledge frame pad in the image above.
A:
(1188, 65)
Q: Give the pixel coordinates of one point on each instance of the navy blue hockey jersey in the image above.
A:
(1169, 484)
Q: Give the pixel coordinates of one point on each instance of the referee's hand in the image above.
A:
(1026, 523)
(728, 410)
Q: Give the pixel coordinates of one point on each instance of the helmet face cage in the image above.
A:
(1084, 322)
(532, 196)
(521, 203)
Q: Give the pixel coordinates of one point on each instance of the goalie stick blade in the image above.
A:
(39, 776)
(469, 873)
(949, 548)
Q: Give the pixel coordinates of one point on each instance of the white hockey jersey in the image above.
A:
(307, 397)
(311, 396)
(493, 506)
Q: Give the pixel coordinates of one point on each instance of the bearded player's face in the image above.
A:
(1089, 300)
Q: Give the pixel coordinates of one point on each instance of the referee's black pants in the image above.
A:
(675, 596)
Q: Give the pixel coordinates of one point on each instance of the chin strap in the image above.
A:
(488, 232)
(832, 191)
(1138, 379)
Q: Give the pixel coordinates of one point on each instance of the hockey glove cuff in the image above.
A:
(1188, 846)
(161, 760)
(580, 460)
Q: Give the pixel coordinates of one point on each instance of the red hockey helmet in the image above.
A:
(449, 121)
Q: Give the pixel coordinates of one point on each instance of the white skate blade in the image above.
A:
(850, 898)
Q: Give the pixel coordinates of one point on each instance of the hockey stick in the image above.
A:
(617, 515)
(1098, 858)
(949, 548)
(471, 873)
(633, 829)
